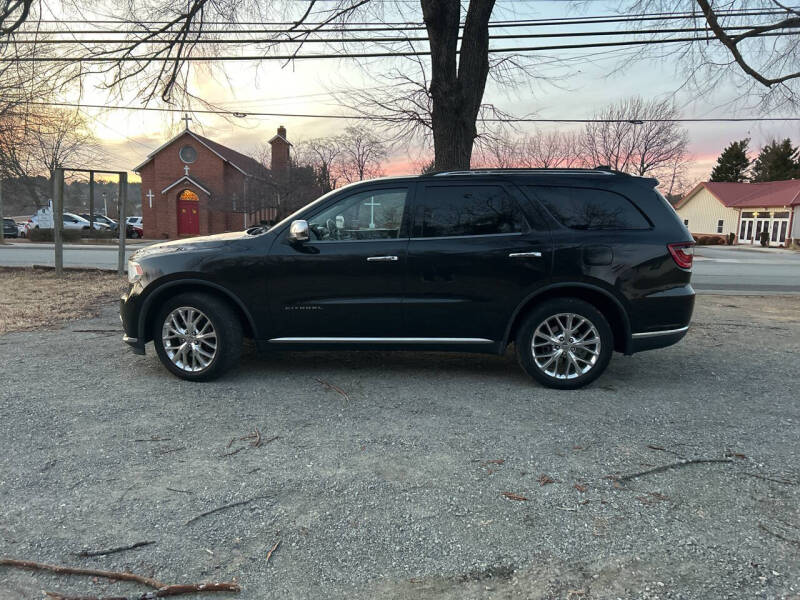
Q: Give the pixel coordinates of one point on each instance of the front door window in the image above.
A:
(373, 215)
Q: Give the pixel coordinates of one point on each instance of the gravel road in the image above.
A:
(395, 489)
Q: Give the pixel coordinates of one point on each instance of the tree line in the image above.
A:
(778, 160)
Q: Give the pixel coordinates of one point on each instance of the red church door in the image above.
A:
(188, 213)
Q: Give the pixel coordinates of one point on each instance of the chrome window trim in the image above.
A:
(649, 334)
(461, 237)
(379, 340)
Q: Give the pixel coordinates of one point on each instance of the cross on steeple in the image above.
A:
(186, 118)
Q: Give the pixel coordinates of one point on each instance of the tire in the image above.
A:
(576, 364)
(194, 364)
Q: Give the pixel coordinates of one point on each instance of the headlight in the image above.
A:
(134, 271)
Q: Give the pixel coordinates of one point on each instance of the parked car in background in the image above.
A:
(134, 221)
(133, 231)
(73, 221)
(568, 265)
(112, 224)
(10, 228)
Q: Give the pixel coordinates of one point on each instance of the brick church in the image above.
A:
(192, 185)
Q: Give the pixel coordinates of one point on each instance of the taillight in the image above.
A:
(682, 253)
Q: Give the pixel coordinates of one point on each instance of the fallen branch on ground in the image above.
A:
(86, 553)
(180, 491)
(226, 506)
(271, 550)
(335, 388)
(61, 570)
(782, 481)
(680, 463)
(513, 496)
(154, 439)
(167, 590)
(662, 449)
(762, 527)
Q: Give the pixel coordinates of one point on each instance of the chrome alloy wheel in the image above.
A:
(189, 339)
(566, 346)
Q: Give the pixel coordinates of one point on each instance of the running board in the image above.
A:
(377, 340)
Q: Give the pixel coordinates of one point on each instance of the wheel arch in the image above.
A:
(172, 288)
(603, 300)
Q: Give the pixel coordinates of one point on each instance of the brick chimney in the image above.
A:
(279, 162)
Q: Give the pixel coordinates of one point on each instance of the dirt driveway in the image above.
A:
(384, 475)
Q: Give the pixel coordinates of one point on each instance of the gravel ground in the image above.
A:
(395, 491)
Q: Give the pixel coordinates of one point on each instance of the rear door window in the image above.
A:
(589, 208)
(466, 210)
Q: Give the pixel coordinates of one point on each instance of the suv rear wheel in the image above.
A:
(197, 336)
(564, 343)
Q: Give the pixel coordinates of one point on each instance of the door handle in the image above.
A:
(525, 255)
(381, 258)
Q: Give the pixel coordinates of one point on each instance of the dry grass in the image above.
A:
(36, 299)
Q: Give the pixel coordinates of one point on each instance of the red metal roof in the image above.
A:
(754, 195)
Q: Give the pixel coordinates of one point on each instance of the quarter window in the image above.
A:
(372, 215)
(446, 211)
(587, 208)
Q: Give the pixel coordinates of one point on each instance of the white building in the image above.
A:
(745, 209)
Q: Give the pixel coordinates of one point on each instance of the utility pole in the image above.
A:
(91, 204)
(123, 201)
(58, 212)
(2, 222)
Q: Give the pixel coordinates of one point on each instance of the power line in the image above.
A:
(404, 39)
(385, 26)
(385, 119)
(293, 57)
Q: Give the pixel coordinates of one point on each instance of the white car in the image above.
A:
(136, 221)
(73, 221)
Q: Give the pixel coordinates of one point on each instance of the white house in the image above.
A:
(745, 209)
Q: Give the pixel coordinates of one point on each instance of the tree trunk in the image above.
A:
(457, 86)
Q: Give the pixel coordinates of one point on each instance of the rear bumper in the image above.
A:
(652, 340)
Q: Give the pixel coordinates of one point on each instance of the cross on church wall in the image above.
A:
(186, 169)
(150, 197)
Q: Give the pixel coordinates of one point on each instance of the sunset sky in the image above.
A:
(585, 84)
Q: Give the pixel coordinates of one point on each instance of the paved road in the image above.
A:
(732, 270)
(719, 269)
(25, 255)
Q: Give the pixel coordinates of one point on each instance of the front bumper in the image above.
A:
(128, 316)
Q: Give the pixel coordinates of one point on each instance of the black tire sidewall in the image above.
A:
(548, 309)
(225, 323)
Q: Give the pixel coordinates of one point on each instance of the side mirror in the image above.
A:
(298, 231)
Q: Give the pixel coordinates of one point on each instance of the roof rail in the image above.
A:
(596, 171)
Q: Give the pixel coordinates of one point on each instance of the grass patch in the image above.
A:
(37, 299)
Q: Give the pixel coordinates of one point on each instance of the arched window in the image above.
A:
(188, 195)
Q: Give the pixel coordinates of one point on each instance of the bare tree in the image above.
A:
(754, 44)
(156, 62)
(551, 150)
(361, 153)
(636, 136)
(323, 155)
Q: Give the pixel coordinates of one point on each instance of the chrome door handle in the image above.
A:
(381, 258)
(525, 255)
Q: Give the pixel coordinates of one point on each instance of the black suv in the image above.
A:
(566, 264)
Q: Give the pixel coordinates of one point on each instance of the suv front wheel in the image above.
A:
(197, 336)
(564, 343)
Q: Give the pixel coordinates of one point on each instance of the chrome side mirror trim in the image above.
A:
(298, 231)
